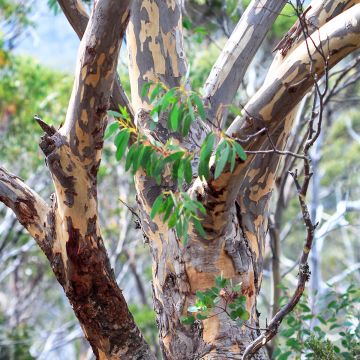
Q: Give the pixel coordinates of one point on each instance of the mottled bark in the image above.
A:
(235, 242)
(78, 18)
(69, 232)
(230, 68)
(259, 175)
(236, 203)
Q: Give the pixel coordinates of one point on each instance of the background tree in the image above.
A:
(68, 232)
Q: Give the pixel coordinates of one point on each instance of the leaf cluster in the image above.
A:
(221, 298)
(177, 211)
(225, 153)
(312, 335)
(181, 108)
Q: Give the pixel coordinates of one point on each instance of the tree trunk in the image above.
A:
(236, 203)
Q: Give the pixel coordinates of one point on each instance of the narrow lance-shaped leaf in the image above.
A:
(145, 89)
(130, 156)
(199, 227)
(188, 171)
(156, 91)
(174, 118)
(156, 206)
(223, 158)
(199, 104)
(121, 142)
(240, 151)
(110, 130)
(205, 154)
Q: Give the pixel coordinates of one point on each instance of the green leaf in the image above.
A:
(332, 304)
(114, 114)
(156, 206)
(138, 157)
(232, 159)
(154, 113)
(188, 320)
(175, 169)
(169, 98)
(201, 317)
(304, 307)
(168, 206)
(240, 151)
(191, 110)
(110, 130)
(321, 319)
(199, 228)
(130, 155)
(172, 221)
(244, 316)
(187, 23)
(186, 125)
(200, 106)
(185, 231)
(200, 206)
(156, 91)
(158, 170)
(124, 112)
(233, 315)
(288, 332)
(234, 110)
(146, 156)
(174, 118)
(174, 156)
(121, 142)
(205, 154)
(285, 356)
(179, 228)
(221, 282)
(188, 171)
(145, 89)
(222, 161)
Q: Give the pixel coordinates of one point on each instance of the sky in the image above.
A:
(52, 41)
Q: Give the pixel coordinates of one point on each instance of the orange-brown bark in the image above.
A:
(236, 221)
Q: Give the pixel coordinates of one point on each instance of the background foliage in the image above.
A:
(35, 318)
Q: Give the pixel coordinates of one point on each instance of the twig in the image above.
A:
(312, 135)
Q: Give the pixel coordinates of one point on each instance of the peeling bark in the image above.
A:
(69, 231)
(237, 203)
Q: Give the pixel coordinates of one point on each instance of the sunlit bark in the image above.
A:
(237, 203)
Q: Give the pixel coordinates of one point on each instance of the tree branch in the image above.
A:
(156, 49)
(78, 18)
(318, 13)
(230, 68)
(73, 154)
(30, 209)
(275, 100)
(95, 73)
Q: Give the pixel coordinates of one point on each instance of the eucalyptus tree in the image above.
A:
(203, 189)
